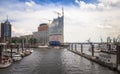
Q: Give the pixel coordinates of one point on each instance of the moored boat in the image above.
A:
(16, 57)
(5, 62)
(28, 52)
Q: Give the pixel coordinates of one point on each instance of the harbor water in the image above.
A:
(55, 61)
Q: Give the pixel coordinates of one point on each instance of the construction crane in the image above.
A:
(57, 13)
(89, 40)
(101, 39)
(48, 20)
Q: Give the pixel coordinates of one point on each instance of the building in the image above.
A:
(5, 34)
(42, 27)
(54, 33)
(42, 35)
(56, 30)
(0, 31)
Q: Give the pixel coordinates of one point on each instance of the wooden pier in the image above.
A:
(114, 66)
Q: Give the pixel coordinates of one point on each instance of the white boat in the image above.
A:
(27, 52)
(5, 62)
(31, 50)
(46, 46)
(16, 57)
(22, 54)
(108, 58)
(96, 50)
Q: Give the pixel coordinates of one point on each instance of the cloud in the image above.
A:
(18, 31)
(85, 6)
(104, 26)
(101, 5)
(114, 3)
(89, 20)
(30, 4)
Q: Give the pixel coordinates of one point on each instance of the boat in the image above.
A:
(25, 52)
(5, 62)
(22, 54)
(96, 49)
(54, 43)
(16, 57)
(28, 52)
(43, 46)
(31, 50)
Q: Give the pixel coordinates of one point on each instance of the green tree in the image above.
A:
(32, 41)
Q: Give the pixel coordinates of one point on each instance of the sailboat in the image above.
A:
(5, 61)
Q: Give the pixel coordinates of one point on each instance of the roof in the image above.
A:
(7, 22)
(43, 24)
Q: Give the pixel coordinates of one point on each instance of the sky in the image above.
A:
(83, 19)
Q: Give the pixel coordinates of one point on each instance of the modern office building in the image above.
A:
(42, 35)
(5, 34)
(0, 30)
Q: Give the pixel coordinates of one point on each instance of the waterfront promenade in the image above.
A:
(55, 61)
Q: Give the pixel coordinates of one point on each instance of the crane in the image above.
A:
(101, 39)
(57, 13)
(89, 40)
(48, 20)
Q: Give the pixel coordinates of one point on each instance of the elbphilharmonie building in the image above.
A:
(56, 30)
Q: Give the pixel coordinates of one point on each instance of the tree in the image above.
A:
(34, 41)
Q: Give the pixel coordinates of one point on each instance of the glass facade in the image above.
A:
(7, 30)
(0, 31)
(56, 29)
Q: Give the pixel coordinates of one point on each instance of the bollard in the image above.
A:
(109, 47)
(68, 47)
(75, 47)
(81, 48)
(92, 46)
(118, 56)
(71, 46)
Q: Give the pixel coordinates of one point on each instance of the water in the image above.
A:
(55, 61)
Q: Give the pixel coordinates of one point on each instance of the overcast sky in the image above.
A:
(84, 19)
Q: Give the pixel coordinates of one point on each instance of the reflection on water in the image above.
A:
(55, 61)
